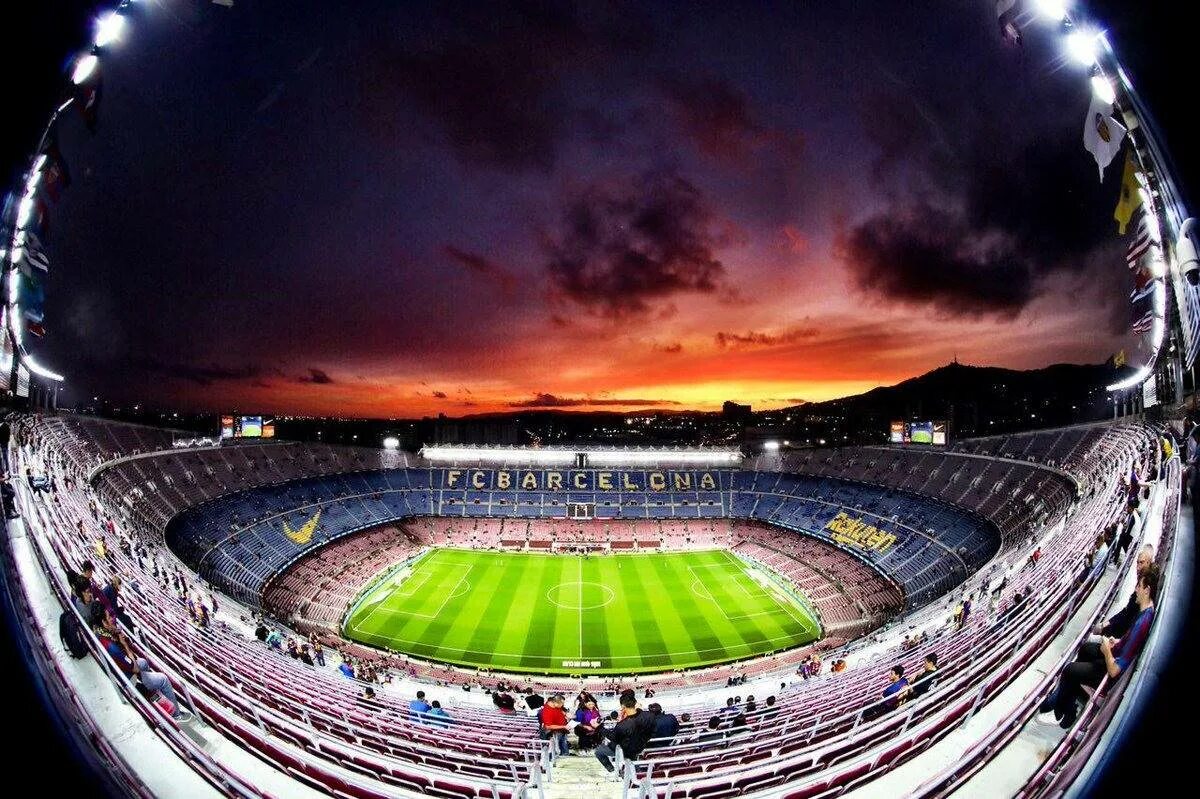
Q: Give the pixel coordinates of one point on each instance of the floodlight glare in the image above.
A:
(84, 68)
(391, 442)
(108, 28)
(771, 446)
(24, 211)
(1054, 10)
(1103, 89)
(1081, 46)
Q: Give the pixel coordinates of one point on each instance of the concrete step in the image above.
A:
(582, 777)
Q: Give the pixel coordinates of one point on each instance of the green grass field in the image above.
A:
(569, 614)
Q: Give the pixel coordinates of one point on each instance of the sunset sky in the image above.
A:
(387, 209)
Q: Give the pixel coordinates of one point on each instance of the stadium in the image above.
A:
(918, 595)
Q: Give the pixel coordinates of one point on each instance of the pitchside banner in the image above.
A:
(581, 480)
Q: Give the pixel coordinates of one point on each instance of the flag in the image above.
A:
(1139, 245)
(1145, 324)
(30, 257)
(1006, 15)
(55, 175)
(35, 329)
(87, 97)
(1119, 359)
(31, 297)
(1131, 197)
(1102, 135)
(1142, 291)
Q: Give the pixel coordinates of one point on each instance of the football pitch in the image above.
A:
(571, 614)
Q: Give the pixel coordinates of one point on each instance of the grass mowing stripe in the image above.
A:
(535, 647)
(595, 620)
(686, 613)
(638, 585)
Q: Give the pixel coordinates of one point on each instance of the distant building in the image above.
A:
(733, 412)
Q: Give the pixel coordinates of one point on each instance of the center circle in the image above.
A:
(581, 596)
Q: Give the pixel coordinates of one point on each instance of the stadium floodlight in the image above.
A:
(1081, 46)
(40, 370)
(1134, 379)
(1103, 89)
(84, 68)
(1054, 10)
(391, 442)
(771, 446)
(108, 28)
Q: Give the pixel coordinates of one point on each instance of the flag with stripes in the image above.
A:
(1139, 245)
(1142, 292)
(1145, 324)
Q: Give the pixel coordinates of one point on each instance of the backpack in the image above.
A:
(70, 632)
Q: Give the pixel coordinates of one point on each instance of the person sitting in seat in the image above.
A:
(926, 678)
(666, 725)
(418, 707)
(1110, 657)
(631, 733)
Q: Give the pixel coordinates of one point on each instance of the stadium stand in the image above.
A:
(824, 735)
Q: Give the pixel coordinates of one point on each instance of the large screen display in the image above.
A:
(251, 427)
(931, 433)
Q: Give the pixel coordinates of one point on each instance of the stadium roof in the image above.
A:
(566, 455)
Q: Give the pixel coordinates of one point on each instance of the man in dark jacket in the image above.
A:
(1124, 618)
(632, 732)
(666, 725)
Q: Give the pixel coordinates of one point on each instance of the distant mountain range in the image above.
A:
(976, 400)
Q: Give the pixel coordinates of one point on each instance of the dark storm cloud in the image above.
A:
(439, 395)
(716, 115)
(491, 77)
(543, 400)
(202, 374)
(756, 339)
(978, 218)
(624, 244)
(924, 256)
(317, 377)
(481, 265)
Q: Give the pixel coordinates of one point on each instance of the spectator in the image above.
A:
(346, 669)
(631, 733)
(1111, 657)
(438, 717)
(275, 640)
(505, 703)
(318, 650)
(713, 733)
(9, 496)
(419, 707)
(552, 723)
(893, 694)
(367, 698)
(589, 725)
(1120, 623)
(136, 668)
(666, 725)
(534, 701)
(926, 678)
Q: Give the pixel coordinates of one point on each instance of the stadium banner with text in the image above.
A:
(517, 479)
